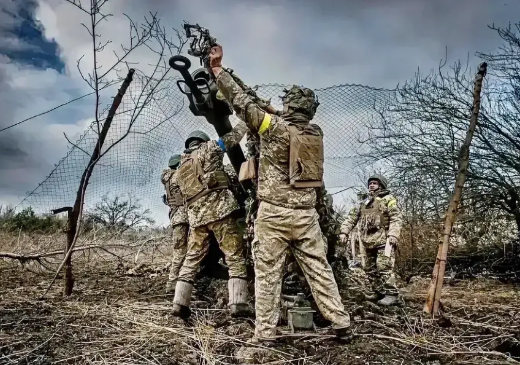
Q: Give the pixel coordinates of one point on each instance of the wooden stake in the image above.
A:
(434, 292)
(69, 277)
(74, 215)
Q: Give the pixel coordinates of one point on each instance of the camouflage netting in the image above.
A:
(134, 165)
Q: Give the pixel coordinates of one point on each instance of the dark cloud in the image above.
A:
(22, 37)
(377, 42)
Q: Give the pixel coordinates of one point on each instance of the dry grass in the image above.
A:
(119, 315)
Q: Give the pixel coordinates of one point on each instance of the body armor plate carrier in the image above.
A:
(190, 180)
(305, 157)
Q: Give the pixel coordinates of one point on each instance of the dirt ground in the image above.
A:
(119, 314)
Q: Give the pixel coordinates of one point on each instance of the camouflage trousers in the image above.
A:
(277, 230)
(180, 247)
(379, 270)
(230, 242)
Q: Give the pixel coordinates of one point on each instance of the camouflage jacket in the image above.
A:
(273, 175)
(377, 218)
(177, 215)
(217, 204)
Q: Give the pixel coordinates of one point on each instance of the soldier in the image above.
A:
(210, 204)
(290, 170)
(178, 219)
(379, 222)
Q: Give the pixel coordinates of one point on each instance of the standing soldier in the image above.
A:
(178, 219)
(290, 170)
(379, 223)
(210, 204)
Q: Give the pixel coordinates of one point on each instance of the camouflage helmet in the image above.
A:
(196, 135)
(380, 178)
(299, 99)
(174, 161)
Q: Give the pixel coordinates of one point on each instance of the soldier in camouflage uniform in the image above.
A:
(210, 204)
(379, 221)
(178, 219)
(286, 218)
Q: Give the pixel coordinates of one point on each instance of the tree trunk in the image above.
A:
(434, 292)
(80, 194)
(69, 277)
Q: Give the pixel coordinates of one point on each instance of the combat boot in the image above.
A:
(182, 299)
(343, 335)
(238, 298)
(264, 342)
(372, 297)
(389, 300)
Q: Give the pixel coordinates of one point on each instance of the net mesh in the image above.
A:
(155, 128)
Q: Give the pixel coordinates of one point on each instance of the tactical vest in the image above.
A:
(174, 199)
(305, 157)
(373, 217)
(190, 180)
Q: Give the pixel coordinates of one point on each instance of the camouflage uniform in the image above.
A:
(287, 218)
(378, 218)
(211, 213)
(179, 223)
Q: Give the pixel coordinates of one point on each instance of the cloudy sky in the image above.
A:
(318, 44)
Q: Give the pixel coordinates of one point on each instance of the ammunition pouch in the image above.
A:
(175, 200)
(190, 175)
(305, 158)
(219, 181)
(376, 218)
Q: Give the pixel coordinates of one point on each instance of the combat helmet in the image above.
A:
(174, 161)
(382, 180)
(299, 99)
(200, 135)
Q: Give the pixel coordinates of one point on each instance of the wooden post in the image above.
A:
(69, 277)
(85, 178)
(434, 292)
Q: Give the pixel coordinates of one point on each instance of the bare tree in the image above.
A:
(420, 135)
(121, 212)
(149, 35)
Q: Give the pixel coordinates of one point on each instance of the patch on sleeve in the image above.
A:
(392, 203)
(265, 123)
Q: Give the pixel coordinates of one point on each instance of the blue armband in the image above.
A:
(221, 144)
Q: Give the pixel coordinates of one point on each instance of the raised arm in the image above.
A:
(247, 110)
(234, 137)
